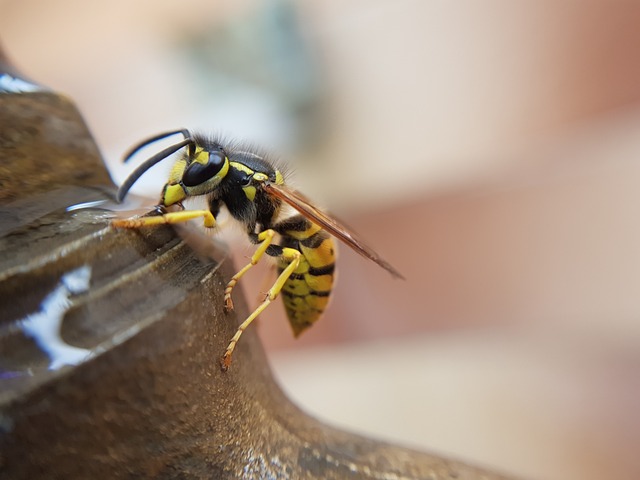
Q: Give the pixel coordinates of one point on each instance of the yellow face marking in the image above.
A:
(279, 178)
(177, 171)
(173, 194)
(201, 156)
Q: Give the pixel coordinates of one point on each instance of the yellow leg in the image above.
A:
(293, 256)
(167, 218)
(265, 238)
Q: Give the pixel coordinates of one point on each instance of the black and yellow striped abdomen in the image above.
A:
(307, 291)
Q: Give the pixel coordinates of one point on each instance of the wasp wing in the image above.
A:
(304, 206)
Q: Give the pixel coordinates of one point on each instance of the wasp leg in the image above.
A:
(167, 218)
(265, 238)
(293, 257)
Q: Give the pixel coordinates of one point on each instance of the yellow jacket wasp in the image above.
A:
(253, 191)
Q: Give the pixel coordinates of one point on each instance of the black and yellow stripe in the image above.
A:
(307, 291)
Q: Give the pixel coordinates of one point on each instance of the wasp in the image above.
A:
(248, 184)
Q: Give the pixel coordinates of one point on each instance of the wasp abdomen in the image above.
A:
(307, 291)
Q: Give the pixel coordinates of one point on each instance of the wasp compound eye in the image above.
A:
(198, 173)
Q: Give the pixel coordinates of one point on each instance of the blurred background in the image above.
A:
(489, 150)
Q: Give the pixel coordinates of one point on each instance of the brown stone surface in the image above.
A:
(151, 401)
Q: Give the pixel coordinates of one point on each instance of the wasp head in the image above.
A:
(198, 172)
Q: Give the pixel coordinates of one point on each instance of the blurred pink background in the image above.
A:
(490, 151)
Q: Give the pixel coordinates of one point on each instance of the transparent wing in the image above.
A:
(304, 206)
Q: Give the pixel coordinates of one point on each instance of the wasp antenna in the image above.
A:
(158, 157)
(136, 148)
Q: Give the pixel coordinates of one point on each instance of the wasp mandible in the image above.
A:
(247, 183)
